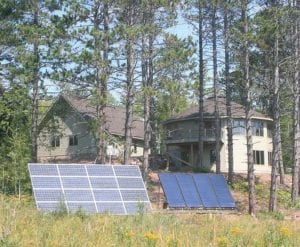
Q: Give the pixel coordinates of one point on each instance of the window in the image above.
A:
(238, 127)
(55, 141)
(73, 140)
(258, 128)
(270, 154)
(269, 130)
(212, 156)
(258, 157)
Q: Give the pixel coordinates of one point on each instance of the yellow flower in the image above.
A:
(222, 241)
(151, 236)
(286, 232)
(235, 231)
(130, 234)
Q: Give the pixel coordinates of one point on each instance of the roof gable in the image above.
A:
(114, 116)
(237, 111)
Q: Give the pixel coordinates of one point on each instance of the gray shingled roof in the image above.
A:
(238, 111)
(115, 117)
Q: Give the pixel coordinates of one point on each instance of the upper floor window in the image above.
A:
(55, 141)
(238, 127)
(258, 157)
(258, 128)
(73, 140)
(269, 130)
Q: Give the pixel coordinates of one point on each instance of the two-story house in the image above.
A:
(182, 131)
(66, 131)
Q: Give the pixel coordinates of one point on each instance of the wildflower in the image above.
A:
(151, 236)
(222, 241)
(235, 231)
(130, 234)
(286, 232)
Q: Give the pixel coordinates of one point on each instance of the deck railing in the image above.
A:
(188, 135)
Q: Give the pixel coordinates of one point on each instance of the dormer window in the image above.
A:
(73, 140)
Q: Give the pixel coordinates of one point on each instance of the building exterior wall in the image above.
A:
(72, 124)
(184, 145)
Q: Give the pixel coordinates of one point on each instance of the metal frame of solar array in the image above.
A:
(186, 190)
(117, 189)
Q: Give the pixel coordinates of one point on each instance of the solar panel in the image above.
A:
(222, 192)
(189, 191)
(172, 190)
(186, 190)
(92, 188)
(206, 191)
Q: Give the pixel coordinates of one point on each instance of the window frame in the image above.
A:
(258, 157)
(55, 141)
(256, 129)
(73, 140)
(238, 127)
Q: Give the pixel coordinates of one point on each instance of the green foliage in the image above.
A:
(204, 169)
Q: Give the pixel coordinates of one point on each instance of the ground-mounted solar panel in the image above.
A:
(91, 188)
(222, 192)
(188, 190)
(172, 190)
(206, 191)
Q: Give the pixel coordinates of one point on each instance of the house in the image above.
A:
(65, 132)
(181, 137)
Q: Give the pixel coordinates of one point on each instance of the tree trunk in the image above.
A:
(247, 102)
(228, 96)
(200, 162)
(147, 85)
(296, 117)
(130, 84)
(276, 128)
(101, 78)
(35, 92)
(216, 86)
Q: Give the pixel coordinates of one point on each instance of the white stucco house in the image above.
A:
(181, 137)
(65, 132)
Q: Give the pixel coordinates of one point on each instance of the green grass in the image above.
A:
(22, 225)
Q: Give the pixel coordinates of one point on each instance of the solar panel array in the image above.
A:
(117, 189)
(186, 190)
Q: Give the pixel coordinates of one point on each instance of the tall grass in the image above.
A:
(22, 225)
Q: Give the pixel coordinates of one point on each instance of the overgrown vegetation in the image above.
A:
(22, 225)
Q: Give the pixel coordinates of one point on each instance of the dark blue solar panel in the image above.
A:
(125, 182)
(127, 171)
(100, 170)
(189, 190)
(221, 189)
(72, 170)
(103, 183)
(206, 191)
(111, 207)
(107, 195)
(75, 182)
(45, 182)
(43, 169)
(88, 207)
(78, 195)
(172, 190)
